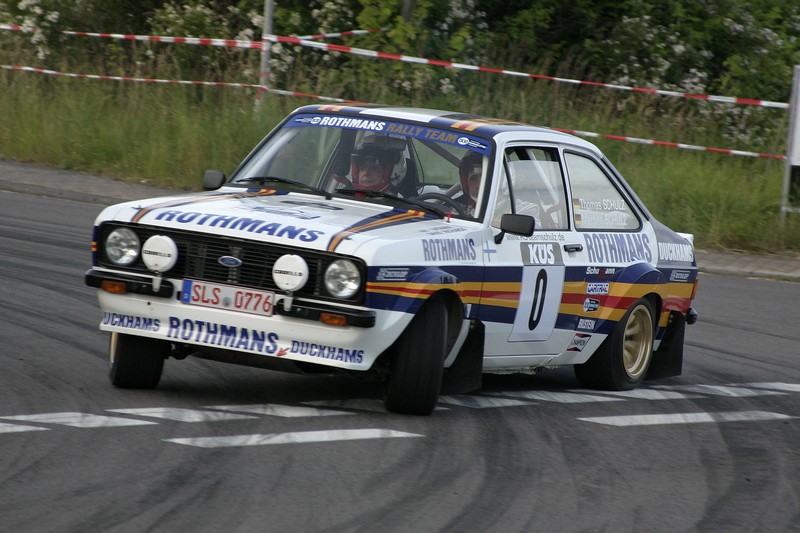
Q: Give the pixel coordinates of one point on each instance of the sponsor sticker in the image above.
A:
(579, 342)
(119, 320)
(591, 304)
(597, 288)
(397, 128)
(255, 226)
(448, 250)
(545, 253)
(681, 276)
(618, 247)
(348, 355)
(586, 324)
(392, 274)
(674, 252)
(222, 335)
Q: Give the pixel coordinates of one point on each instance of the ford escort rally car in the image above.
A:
(413, 246)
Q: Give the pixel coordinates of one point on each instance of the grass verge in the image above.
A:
(169, 135)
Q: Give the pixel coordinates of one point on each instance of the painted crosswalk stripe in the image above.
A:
(482, 402)
(272, 409)
(648, 394)
(183, 415)
(17, 428)
(685, 418)
(556, 397)
(788, 387)
(297, 437)
(720, 390)
(359, 404)
(79, 420)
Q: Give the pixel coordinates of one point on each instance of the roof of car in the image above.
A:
(467, 122)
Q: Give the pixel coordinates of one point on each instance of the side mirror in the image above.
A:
(213, 180)
(516, 225)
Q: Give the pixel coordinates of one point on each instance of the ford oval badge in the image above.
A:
(229, 261)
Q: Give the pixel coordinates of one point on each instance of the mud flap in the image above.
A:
(668, 359)
(466, 373)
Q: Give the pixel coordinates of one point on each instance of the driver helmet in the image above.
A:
(378, 163)
(470, 166)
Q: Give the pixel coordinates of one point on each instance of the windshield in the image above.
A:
(408, 161)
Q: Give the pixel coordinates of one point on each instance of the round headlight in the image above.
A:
(122, 246)
(342, 278)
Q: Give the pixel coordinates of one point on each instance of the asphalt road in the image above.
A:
(224, 448)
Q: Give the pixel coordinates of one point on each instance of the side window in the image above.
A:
(596, 202)
(533, 179)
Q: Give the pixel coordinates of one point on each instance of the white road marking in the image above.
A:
(482, 402)
(79, 420)
(287, 411)
(789, 387)
(183, 415)
(297, 437)
(16, 428)
(685, 418)
(375, 406)
(557, 397)
(648, 394)
(720, 390)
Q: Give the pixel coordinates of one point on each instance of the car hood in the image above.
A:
(293, 219)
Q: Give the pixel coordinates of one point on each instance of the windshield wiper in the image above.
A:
(399, 199)
(273, 179)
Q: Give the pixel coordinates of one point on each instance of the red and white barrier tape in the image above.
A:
(177, 82)
(204, 41)
(337, 35)
(670, 144)
(339, 100)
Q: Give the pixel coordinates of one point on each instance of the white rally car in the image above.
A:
(413, 246)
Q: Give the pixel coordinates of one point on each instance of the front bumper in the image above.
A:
(300, 333)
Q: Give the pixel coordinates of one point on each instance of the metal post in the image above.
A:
(263, 79)
(790, 197)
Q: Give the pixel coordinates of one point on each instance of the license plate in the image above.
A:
(227, 297)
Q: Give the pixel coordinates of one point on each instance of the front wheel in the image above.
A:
(417, 364)
(622, 360)
(136, 362)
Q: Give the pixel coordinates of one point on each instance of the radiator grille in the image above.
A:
(198, 256)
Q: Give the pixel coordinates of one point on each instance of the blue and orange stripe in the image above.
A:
(384, 220)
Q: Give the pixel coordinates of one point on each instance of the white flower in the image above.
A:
(446, 86)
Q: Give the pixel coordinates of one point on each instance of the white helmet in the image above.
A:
(391, 153)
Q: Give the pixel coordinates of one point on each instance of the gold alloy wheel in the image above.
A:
(637, 345)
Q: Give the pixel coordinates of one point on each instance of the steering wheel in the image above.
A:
(443, 198)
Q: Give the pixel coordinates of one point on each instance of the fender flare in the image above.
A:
(668, 351)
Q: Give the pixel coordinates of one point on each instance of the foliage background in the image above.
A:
(169, 135)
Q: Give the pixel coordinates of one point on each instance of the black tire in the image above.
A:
(417, 365)
(136, 362)
(622, 360)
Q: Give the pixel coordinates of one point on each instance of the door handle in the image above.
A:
(573, 247)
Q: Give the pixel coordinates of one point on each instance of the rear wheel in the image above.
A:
(622, 360)
(415, 378)
(136, 362)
